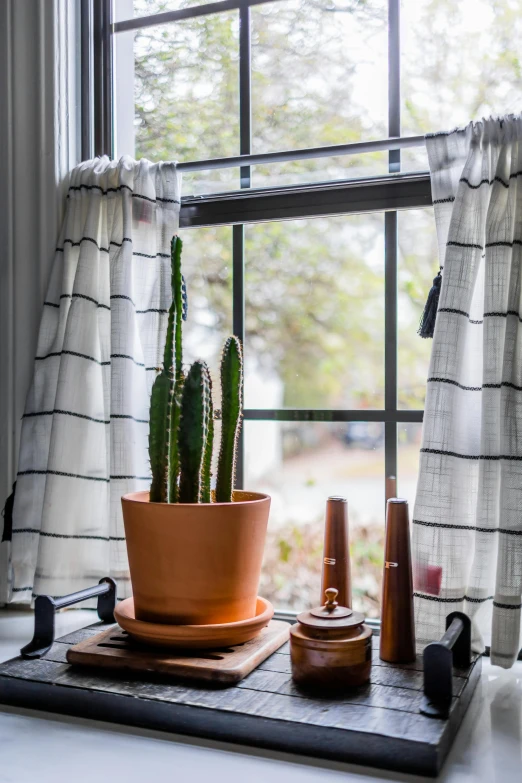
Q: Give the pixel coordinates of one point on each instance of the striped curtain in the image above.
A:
(84, 431)
(467, 531)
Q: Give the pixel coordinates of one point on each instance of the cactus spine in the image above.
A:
(193, 431)
(231, 407)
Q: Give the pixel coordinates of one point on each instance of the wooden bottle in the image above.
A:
(397, 642)
(336, 554)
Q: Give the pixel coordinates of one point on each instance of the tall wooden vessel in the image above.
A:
(397, 642)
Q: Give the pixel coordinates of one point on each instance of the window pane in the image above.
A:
(319, 73)
(460, 61)
(414, 158)
(207, 267)
(185, 102)
(315, 313)
(417, 266)
(320, 170)
(299, 465)
(197, 183)
(408, 454)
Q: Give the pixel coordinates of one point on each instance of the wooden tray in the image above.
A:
(114, 649)
(378, 724)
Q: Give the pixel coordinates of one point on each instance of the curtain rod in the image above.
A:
(394, 143)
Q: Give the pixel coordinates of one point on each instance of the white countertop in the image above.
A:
(37, 747)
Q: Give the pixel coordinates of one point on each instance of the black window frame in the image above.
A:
(389, 193)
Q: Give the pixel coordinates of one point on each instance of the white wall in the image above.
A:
(39, 52)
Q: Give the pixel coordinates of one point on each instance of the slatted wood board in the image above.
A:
(114, 649)
(378, 724)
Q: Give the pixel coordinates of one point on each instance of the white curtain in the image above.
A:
(84, 432)
(467, 527)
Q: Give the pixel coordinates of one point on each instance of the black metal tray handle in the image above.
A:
(454, 649)
(45, 608)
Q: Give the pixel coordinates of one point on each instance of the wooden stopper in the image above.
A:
(331, 594)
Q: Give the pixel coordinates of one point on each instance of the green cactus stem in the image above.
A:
(192, 433)
(159, 423)
(206, 469)
(174, 459)
(231, 408)
(177, 310)
(178, 298)
(158, 436)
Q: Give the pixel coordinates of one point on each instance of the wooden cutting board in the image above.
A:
(114, 649)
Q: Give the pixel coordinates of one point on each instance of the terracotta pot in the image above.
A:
(198, 563)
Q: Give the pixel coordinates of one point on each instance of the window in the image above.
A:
(318, 249)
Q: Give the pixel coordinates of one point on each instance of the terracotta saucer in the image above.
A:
(195, 637)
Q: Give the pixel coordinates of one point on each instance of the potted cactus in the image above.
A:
(194, 553)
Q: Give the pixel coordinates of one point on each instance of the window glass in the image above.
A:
(319, 73)
(459, 62)
(199, 183)
(207, 268)
(186, 104)
(301, 172)
(314, 313)
(417, 266)
(299, 464)
(408, 456)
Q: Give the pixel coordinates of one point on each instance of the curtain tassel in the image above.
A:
(7, 514)
(427, 322)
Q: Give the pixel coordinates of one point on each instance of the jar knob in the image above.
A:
(331, 594)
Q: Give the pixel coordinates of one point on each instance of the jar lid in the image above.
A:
(331, 615)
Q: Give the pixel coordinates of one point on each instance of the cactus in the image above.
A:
(193, 431)
(159, 425)
(206, 468)
(178, 309)
(173, 456)
(158, 436)
(231, 407)
(181, 429)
